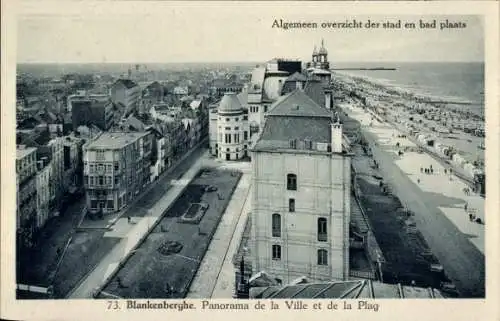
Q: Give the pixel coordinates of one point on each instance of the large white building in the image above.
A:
(229, 129)
(301, 192)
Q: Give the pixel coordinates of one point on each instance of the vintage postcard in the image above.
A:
(163, 159)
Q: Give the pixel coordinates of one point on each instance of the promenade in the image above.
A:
(131, 234)
(436, 199)
(216, 275)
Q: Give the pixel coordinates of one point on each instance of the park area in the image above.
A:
(165, 263)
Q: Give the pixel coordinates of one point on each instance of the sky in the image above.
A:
(224, 33)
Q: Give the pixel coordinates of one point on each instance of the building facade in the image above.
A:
(43, 179)
(26, 195)
(229, 129)
(127, 93)
(116, 169)
(300, 193)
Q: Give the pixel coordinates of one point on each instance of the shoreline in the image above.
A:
(409, 92)
(457, 137)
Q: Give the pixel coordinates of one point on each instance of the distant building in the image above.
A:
(73, 171)
(27, 220)
(127, 93)
(116, 169)
(100, 113)
(301, 193)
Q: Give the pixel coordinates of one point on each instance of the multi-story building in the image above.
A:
(116, 169)
(229, 129)
(43, 181)
(26, 196)
(55, 149)
(127, 93)
(301, 193)
(72, 153)
(86, 112)
(266, 87)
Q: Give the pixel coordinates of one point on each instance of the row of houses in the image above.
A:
(47, 169)
(120, 164)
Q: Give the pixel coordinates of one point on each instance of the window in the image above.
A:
(227, 128)
(236, 119)
(99, 155)
(293, 143)
(108, 180)
(291, 205)
(322, 229)
(245, 135)
(117, 166)
(227, 119)
(108, 168)
(291, 182)
(86, 180)
(322, 257)
(117, 180)
(276, 225)
(100, 167)
(227, 138)
(101, 180)
(236, 128)
(245, 117)
(265, 109)
(276, 252)
(91, 180)
(91, 168)
(307, 144)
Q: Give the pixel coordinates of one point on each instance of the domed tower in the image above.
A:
(232, 131)
(323, 56)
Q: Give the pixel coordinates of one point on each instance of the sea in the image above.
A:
(457, 82)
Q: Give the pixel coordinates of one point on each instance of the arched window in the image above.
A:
(291, 182)
(322, 257)
(322, 230)
(276, 225)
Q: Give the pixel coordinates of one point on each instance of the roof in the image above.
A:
(230, 103)
(296, 77)
(278, 131)
(115, 140)
(126, 82)
(297, 103)
(315, 90)
(195, 104)
(344, 290)
(23, 152)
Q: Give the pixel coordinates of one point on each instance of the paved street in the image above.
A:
(132, 234)
(216, 274)
(438, 204)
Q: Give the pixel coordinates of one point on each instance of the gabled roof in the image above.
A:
(297, 104)
(315, 90)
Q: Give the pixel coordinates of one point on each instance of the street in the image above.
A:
(463, 262)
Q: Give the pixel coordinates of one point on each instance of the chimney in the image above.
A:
(336, 130)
